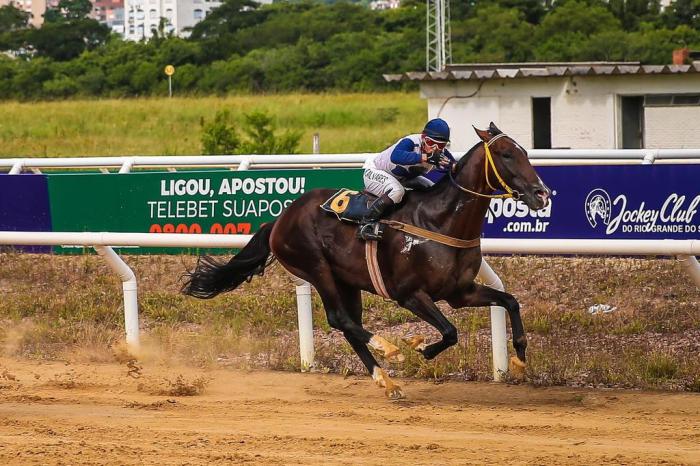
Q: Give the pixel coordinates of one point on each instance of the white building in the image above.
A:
(143, 16)
(568, 105)
(384, 4)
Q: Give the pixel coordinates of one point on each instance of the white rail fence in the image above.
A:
(246, 162)
(683, 250)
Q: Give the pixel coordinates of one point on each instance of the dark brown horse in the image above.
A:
(314, 246)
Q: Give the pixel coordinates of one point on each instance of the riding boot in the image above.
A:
(371, 229)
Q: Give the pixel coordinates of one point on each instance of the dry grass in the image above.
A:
(61, 307)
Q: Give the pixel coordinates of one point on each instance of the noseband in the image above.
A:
(509, 192)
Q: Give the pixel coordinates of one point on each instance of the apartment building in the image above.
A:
(143, 16)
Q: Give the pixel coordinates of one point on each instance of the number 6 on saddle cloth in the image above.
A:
(348, 205)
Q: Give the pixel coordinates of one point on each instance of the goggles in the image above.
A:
(432, 145)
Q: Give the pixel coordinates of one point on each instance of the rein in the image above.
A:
(509, 192)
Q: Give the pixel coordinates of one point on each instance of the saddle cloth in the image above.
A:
(352, 206)
(348, 205)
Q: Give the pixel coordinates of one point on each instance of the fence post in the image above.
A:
(691, 266)
(499, 338)
(306, 326)
(316, 143)
(130, 288)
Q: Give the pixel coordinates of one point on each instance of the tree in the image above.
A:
(683, 12)
(67, 31)
(633, 12)
(495, 34)
(565, 31)
(63, 41)
(532, 10)
(68, 10)
(13, 19)
(13, 25)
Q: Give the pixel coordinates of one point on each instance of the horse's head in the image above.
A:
(511, 168)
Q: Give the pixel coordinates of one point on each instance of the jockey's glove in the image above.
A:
(439, 160)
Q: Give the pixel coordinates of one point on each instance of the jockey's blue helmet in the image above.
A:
(437, 129)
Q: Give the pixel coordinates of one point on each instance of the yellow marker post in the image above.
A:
(170, 71)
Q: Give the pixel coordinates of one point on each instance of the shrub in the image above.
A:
(218, 137)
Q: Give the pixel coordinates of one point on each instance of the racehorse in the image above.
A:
(316, 247)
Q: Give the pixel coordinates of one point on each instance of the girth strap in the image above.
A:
(373, 266)
(431, 235)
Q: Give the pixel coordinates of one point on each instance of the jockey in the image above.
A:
(417, 161)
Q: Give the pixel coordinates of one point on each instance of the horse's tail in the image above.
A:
(211, 277)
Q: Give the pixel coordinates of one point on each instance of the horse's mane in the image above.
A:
(466, 156)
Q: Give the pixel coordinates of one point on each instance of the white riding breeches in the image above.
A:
(379, 182)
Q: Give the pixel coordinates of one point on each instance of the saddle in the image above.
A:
(348, 205)
(352, 206)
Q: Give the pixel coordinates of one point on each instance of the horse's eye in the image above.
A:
(507, 154)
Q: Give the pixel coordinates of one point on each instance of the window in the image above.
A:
(169, 14)
(632, 122)
(541, 123)
(153, 14)
(671, 100)
(198, 14)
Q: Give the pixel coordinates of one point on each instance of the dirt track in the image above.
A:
(56, 413)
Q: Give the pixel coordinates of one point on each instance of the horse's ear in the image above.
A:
(493, 129)
(484, 135)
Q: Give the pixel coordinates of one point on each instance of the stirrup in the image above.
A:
(371, 231)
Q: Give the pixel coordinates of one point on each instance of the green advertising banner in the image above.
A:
(218, 202)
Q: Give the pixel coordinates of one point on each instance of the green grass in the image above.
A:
(161, 126)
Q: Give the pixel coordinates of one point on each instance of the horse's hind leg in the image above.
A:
(480, 295)
(423, 306)
(343, 307)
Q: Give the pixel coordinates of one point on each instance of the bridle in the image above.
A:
(509, 192)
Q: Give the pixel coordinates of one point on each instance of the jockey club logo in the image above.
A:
(675, 214)
(598, 205)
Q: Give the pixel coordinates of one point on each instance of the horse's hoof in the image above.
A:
(390, 351)
(517, 367)
(416, 342)
(395, 393)
(394, 356)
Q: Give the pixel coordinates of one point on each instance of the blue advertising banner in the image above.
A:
(606, 202)
(24, 205)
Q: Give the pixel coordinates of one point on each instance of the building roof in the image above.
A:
(483, 71)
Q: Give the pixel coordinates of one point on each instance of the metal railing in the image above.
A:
(127, 164)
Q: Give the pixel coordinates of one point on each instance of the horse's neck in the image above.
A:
(450, 211)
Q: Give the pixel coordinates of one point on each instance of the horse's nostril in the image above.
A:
(543, 195)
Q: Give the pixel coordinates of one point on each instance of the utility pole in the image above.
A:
(438, 51)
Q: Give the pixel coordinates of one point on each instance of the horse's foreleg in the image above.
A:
(343, 307)
(480, 295)
(423, 306)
